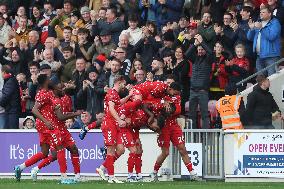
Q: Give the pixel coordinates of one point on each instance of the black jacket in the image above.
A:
(95, 99)
(260, 106)
(78, 79)
(10, 99)
(201, 67)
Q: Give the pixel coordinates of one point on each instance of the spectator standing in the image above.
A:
(201, 57)
(112, 24)
(242, 30)
(219, 76)
(206, 29)
(10, 99)
(168, 11)
(266, 39)
(93, 92)
(261, 107)
(179, 67)
(79, 75)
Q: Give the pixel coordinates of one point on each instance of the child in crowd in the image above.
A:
(238, 67)
(219, 76)
(29, 122)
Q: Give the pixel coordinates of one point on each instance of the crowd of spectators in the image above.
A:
(203, 45)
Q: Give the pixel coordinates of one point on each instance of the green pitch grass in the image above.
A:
(45, 184)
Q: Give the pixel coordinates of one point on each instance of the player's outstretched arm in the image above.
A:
(63, 117)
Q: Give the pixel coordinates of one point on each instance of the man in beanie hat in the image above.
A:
(99, 62)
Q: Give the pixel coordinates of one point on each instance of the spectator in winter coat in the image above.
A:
(202, 58)
(168, 11)
(92, 92)
(112, 24)
(242, 30)
(10, 99)
(78, 76)
(266, 37)
(261, 107)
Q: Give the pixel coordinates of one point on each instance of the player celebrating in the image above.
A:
(110, 128)
(172, 132)
(48, 133)
(62, 104)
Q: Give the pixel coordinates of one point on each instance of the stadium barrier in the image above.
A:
(18, 144)
(212, 152)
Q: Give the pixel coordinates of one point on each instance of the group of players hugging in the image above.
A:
(152, 104)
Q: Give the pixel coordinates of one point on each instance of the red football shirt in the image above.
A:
(111, 96)
(148, 89)
(58, 124)
(44, 98)
(66, 103)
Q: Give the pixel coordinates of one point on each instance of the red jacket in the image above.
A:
(222, 74)
(242, 63)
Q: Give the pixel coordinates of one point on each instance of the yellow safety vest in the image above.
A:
(228, 107)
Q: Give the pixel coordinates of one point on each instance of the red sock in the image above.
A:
(92, 125)
(46, 161)
(131, 162)
(189, 167)
(138, 163)
(76, 162)
(116, 156)
(156, 167)
(34, 159)
(62, 160)
(109, 164)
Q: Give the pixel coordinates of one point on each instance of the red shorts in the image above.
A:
(170, 133)
(127, 137)
(111, 133)
(51, 137)
(67, 139)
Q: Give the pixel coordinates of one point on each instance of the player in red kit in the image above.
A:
(111, 128)
(62, 105)
(47, 127)
(172, 132)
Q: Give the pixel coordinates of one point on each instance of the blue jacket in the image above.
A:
(270, 39)
(169, 12)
